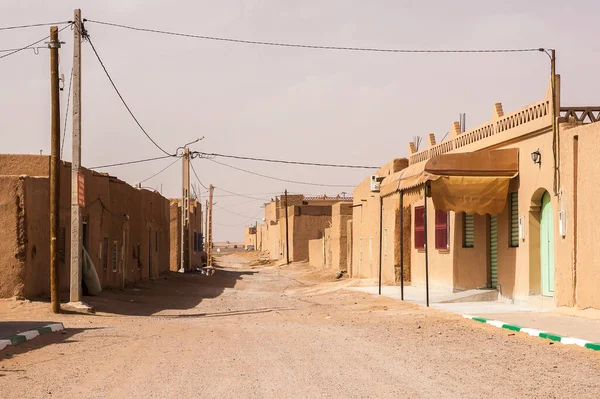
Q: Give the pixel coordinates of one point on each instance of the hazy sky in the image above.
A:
(288, 103)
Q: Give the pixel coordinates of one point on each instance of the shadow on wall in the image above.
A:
(174, 292)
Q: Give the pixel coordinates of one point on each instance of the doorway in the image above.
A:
(493, 258)
(547, 246)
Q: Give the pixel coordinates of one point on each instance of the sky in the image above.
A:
(279, 102)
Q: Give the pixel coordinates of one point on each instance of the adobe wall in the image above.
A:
(349, 247)
(341, 214)
(174, 231)
(107, 201)
(365, 224)
(305, 223)
(579, 282)
(390, 245)
(315, 253)
(13, 245)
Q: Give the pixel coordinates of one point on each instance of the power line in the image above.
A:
(121, 97)
(160, 171)
(130, 162)
(35, 25)
(239, 195)
(62, 146)
(34, 48)
(197, 178)
(310, 46)
(233, 213)
(280, 179)
(32, 44)
(205, 155)
(238, 224)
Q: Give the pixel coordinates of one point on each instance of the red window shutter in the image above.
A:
(441, 229)
(419, 227)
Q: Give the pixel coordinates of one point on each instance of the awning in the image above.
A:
(472, 182)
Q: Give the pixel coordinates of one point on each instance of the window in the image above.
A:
(114, 256)
(468, 230)
(514, 219)
(105, 253)
(419, 227)
(195, 241)
(441, 230)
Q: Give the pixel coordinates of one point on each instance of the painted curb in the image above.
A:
(538, 333)
(29, 335)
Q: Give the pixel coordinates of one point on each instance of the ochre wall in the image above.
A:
(107, 201)
(341, 214)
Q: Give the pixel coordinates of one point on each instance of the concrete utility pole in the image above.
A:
(185, 213)
(76, 226)
(54, 45)
(210, 217)
(287, 232)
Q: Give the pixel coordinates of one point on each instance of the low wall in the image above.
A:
(315, 253)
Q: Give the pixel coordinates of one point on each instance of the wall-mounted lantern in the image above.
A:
(536, 157)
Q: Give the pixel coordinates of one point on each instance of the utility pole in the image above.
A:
(287, 233)
(185, 213)
(210, 217)
(206, 227)
(76, 226)
(54, 45)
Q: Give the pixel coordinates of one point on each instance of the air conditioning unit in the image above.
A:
(375, 183)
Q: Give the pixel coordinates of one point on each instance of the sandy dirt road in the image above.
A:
(265, 331)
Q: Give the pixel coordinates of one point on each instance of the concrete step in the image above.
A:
(487, 295)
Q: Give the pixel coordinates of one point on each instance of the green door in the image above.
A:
(547, 247)
(493, 251)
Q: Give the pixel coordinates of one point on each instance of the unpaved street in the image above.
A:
(264, 331)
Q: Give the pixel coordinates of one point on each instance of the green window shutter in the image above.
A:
(514, 219)
(468, 230)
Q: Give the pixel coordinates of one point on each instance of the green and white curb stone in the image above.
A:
(29, 335)
(537, 333)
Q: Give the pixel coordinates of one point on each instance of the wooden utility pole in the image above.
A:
(206, 227)
(185, 213)
(76, 226)
(210, 217)
(287, 232)
(54, 45)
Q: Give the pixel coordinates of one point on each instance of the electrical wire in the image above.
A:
(197, 178)
(34, 48)
(240, 195)
(121, 97)
(35, 25)
(279, 179)
(32, 44)
(310, 46)
(62, 146)
(329, 165)
(160, 171)
(233, 213)
(130, 162)
(239, 224)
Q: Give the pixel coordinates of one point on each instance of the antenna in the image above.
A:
(417, 141)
